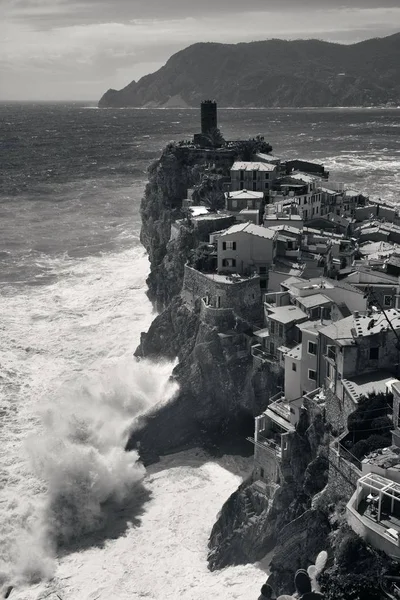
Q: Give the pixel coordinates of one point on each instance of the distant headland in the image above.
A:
(272, 73)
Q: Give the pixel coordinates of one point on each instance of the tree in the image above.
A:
(210, 192)
(246, 149)
(215, 138)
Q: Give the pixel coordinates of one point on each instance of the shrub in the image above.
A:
(350, 550)
(382, 425)
(337, 585)
(374, 442)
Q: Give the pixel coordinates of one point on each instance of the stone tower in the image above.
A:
(208, 116)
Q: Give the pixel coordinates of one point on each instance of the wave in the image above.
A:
(80, 458)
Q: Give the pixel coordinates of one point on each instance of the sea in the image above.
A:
(79, 517)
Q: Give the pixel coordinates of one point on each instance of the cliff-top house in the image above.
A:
(247, 248)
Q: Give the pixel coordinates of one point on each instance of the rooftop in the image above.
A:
(261, 333)
(210, 216)
(314, 326)
(286, 229)
(376, 248)
(347, 330)
(198, 210)
(244, 195)
(314, 300)
(282, 217)
(251, 229)
(253, 166)
(287, 314)
(295, 352)
(367, 383)
(231, 278)
(304, 177)
(385, 458)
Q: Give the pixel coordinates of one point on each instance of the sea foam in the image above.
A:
(80, 457)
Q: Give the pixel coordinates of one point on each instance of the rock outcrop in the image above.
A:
(219, 387)
(256, 519)
(271, 73)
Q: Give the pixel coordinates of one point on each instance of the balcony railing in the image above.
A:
(258, 352)
(269, 443)
(280, 408)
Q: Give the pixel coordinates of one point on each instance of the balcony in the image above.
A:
(280, 406)
(267, 444)
(259, 353)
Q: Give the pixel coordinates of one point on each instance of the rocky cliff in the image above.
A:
(271, 73)
(220, 390)
(257, 518)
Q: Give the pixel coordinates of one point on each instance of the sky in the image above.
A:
(77, 49)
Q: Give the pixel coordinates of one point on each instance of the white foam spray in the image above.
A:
(80, 457)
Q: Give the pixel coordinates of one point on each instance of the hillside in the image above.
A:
(271, 73)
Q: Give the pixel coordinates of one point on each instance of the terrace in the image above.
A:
(374, 512)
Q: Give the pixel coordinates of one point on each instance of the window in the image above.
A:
(272, 348)
(373, 353)
(261, 473)
(229, 262)
(294, 367)
(241, 175)
(272, 327)
(230, 246)
(312, 375)
(263, 270)
(331, 352)
(280, 330)
(254, 175)
(254, 186)
(387, 301)
(330, 372)
(312, 348)
(235, 203)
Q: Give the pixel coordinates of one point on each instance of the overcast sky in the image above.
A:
(77, 49)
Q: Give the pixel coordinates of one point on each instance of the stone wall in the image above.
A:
(204, 225)
(222, 318)
(266, 465)
(337, 411)
(343, 475)
(243, 297)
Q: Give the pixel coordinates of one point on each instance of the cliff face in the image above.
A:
(271, 73)
(253, 521)
(219, 388)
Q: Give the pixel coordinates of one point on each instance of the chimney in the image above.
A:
(356, 314)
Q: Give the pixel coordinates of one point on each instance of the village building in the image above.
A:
(382, 289)
(358, 355)
(254, 176)
(241, 200)
(247, 248)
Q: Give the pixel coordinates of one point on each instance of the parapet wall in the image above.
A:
(206, 225)
(242, 297)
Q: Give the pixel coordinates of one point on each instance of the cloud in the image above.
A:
(41, 42)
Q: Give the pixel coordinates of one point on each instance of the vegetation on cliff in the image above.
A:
(271, 73)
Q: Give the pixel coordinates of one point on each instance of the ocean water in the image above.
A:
(78, 516)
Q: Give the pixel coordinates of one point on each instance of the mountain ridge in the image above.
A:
(271, 73)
